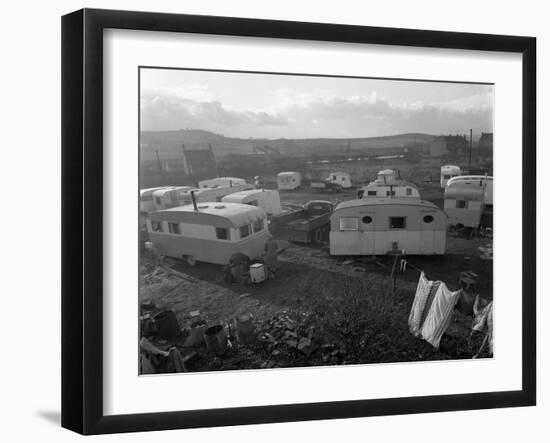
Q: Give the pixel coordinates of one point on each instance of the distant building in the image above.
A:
(449, 144)
(199, 161)
(485, 143)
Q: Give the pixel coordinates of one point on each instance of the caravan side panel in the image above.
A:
(469, 217)
(208, 251)
(345, 243)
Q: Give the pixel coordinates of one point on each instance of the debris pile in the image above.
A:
(282, 334)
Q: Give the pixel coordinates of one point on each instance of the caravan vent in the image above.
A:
(219, 206)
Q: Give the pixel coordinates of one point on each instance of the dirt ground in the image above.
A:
(309, 290)
(322, 310)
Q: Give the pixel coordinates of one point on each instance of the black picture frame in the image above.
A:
(82, 219)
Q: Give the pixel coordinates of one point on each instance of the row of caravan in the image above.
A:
(220, 218)
(212, 232)
(237, 222)
(289, 181)
(156, 199)
(266, 199)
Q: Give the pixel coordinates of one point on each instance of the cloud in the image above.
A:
(319, 115)
(165, 112)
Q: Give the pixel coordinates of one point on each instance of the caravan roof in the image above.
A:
(395, 182)
(385, 201)
(465, 178)
(243, 194)
(226, 214)
(151, 190)
(286, 174)
(162, 191)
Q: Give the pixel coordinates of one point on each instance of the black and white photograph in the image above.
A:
(304, 220)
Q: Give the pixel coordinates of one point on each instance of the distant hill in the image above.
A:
(169, 143)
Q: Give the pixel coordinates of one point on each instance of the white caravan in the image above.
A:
(396, 188)
(448, 172)
(484, 182)
(289, 180)
(340, 178)
(267, 199)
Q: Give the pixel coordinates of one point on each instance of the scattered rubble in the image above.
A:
(289, 329)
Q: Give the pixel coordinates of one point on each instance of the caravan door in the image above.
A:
(428, 244)
(367, 223)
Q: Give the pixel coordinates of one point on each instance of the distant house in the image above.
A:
(448, 144)
(199, 161)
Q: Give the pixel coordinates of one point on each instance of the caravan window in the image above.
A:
(461, 204)
(174, 228)
(367, 219)
(222, 234)
(397, 223)
(349, 223)
(388, 193)
(146, 197)
(158, 200)
(371, 193)
(409, 191)
(334, 177)
(245, 231)
(253, 203)
(446, 177)
(258, 225)
(156, 226)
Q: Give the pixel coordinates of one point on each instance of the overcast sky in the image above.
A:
(285, 106)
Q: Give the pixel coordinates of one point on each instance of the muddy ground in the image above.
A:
(320, 310)
(338, 311)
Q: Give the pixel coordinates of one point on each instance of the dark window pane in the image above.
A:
(461, 204)
(245, 231)
(174, 228)
(397, 222)
(222, 234)
(258, 225)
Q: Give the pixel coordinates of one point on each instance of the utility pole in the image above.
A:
(185, 171)
(158, 160)
(470, 161)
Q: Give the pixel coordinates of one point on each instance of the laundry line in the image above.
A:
(404, 264)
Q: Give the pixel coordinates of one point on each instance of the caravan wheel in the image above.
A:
(191, 261)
